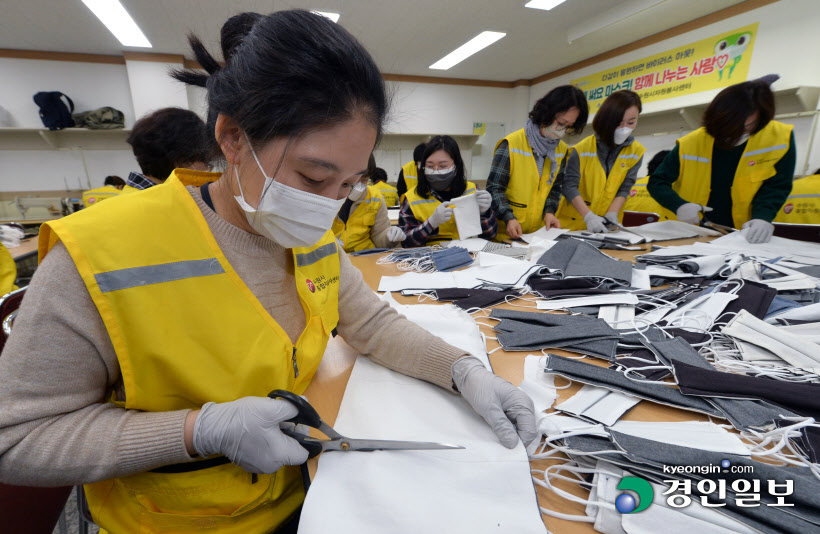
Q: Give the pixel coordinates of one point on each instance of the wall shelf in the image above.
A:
(67, 139)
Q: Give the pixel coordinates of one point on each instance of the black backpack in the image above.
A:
(53, 111)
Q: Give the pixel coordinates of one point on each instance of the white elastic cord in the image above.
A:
(581, 357)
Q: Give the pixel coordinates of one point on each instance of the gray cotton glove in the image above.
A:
(508, 410)
(757, 231)
(485, 199)
(612, 217)
(442, 214)
(394, 234)
(247, 432)
(595, 223)
(690, 213)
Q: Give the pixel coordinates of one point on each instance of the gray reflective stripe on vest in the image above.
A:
(640, 185)
(588, 154)
(803, 196)
(764, 150)
(629, 156)
(471, 190)
(694, 158)
(156, 274)
(559, 154)
(423, 201)
(522, 152)
(309, 258)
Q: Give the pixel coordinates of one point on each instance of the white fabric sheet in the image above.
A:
(543, 233)
(693, 434)
(485, 488)
(540, 386)
(617, 316)
(507, 274)
(797, 251)
(472, 244)
(467, 216)
(593, 300)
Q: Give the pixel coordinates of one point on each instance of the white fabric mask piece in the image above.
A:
(796, 351)
(606, 480)
(618, 316)
(540, 386)
(467, 216)
(743, 138)
(701, 313)
(695, 517)
(537, 249)
(594, 300)
(555, 425)
(291, 217)
(640, 279)
(543, 233)
(790, 279)
(693, 434)
(598, 404)
(810, 312)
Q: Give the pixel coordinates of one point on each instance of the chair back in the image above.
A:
(637, 218)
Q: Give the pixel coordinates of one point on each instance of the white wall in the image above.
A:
(786, 44)
(152, 88)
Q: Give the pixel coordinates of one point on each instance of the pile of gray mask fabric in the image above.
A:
(733, 338)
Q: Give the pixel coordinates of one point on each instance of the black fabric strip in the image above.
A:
(206, 195)
(193, 466)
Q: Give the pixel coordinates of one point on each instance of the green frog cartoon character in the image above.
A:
(729, 52)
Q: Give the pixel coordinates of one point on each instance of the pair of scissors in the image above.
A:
(308, 416)
(724, 230)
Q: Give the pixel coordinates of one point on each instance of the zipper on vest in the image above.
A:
(295, 365)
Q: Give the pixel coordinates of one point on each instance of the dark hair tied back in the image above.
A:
(288, 73)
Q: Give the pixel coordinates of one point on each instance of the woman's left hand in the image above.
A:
(485, 199)
(507, 409)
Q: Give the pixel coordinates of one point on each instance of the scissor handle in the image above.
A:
(306, 416)
(313, 446)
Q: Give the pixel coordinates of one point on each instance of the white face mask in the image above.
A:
(553, 131)
(743, 138)
(357, 192)
(291, 217)
(621, 134)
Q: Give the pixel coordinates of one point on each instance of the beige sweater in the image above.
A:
(59, 365)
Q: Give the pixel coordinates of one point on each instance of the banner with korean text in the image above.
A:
(711, 63)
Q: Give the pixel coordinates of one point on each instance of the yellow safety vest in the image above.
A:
(8, 272)
(803, 204)
(527, 192)
(411, 176)
(355, 235)
(389, 193)
(596, 187)
(640, 200)
(763, 150)
(187, 330)
(92, 196)
(423, 208)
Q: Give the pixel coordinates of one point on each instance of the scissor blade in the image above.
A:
(384, 445)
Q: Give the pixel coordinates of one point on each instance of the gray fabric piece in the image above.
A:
(742, 413)
(806, 495)
(576, 258)
(630, 338)
(590, 336)
(539, 318)
(614, 380)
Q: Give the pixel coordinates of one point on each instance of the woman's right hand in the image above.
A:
(514, 229)
(247, 432)
(595, 223)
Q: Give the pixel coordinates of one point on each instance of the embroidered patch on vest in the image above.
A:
(310, 286)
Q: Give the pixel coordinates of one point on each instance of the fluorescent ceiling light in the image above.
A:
(480, 42)
(546, 5)
(332, 16)
(118, 22)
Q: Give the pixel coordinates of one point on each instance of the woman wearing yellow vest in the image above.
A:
(425, 216)
(803, 203)
(602, 168)
(389, 193)
(738, 167)
(362, 223)
(409, 173)
(140, 367)
(525, 177)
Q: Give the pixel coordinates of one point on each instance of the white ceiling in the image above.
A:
(405, 37)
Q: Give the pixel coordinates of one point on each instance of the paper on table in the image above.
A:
(594, 300)
(484, 488)
(467, 216)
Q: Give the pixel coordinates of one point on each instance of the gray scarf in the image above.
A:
(543, 147)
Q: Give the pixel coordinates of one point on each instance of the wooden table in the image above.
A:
(327, 388)
(26, 246)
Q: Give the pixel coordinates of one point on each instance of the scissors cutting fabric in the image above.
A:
(308, 416)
